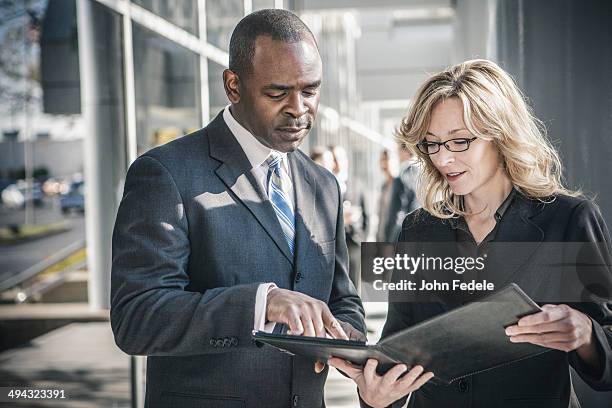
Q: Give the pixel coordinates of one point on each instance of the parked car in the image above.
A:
(74, 199)
(14, 196)
(4, 184)
(56, 185)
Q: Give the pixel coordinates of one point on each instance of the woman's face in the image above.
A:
(469, 171)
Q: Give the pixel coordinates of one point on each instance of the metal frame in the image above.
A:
(204, 90)
(129, 87)
(134, 13)
(166, 29)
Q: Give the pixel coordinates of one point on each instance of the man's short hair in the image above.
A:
(281, 25)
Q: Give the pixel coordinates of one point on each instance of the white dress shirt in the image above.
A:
(257, 154)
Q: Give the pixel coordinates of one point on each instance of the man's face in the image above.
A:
(279, 98)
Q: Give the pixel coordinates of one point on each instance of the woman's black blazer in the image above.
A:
(541, 381)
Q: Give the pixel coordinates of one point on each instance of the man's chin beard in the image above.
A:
(289, 146)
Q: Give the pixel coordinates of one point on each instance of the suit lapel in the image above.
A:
(429, 238)
(236, 173)
(517, 226)
(305, 188)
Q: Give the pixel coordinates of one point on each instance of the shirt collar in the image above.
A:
(459, 222)
(255, 151)
(504, 206)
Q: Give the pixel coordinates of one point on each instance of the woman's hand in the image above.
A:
(558, 327)
(382, 390)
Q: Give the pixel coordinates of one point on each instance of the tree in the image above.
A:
(20, 24)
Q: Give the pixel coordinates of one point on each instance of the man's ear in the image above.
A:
(231, 83)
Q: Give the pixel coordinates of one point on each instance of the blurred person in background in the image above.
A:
(384, 200)
(356, 221)
(403, 198)
(491, 175)
(323, 157)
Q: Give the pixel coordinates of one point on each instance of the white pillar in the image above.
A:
(474, 30)
(104, 142)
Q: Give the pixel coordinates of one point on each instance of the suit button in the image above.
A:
(234, 341)
(298, 277)
(296, 400)
(463, 386)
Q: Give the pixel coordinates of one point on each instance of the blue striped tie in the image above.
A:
(279, 186)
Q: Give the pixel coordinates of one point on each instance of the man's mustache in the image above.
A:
(305, 123)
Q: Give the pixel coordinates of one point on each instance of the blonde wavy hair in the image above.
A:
(494, 109)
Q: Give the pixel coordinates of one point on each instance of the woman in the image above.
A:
(491, 175)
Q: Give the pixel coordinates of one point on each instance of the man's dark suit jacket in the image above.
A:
(356, 232)
(542, 381)
(195, 235)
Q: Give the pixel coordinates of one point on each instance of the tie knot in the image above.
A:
(274, 161)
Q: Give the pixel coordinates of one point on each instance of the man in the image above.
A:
(384, 199)
(403, 198)
(356, 220)
(231, 228)
(323, 157)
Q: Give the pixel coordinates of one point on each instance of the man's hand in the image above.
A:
(382, 390)
(304, 315)
(351, 332)
(558, 327)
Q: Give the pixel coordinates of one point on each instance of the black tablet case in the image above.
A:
(465, 341)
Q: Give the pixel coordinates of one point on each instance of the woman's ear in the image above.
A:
(502, 158)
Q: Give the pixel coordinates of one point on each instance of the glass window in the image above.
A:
(181, 13)
(167, 89)
(221, 18)
(41, 127)
(43, 130)
(217, 98)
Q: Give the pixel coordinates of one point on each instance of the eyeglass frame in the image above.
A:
(467, 139)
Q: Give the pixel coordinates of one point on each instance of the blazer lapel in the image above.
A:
(518, 227)
(305, 188)
(435, 238)
(236, 173)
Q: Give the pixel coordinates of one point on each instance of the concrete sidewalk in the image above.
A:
(82, 359)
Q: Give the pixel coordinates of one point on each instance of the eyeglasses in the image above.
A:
(459, 144)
